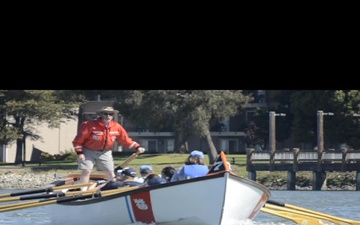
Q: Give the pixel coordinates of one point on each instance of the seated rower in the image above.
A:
(123, 179)
(145, 170)
(194, 167)
(154, 179)
(168, 172)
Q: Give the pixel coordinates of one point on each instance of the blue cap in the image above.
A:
(156, 180)
(146, 169)
(130, 172)
(197, 153)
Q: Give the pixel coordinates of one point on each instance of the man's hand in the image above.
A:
(140, 150)
(81, 157)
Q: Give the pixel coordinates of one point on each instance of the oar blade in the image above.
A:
(309, 213)
(332, 218)
(298, 219)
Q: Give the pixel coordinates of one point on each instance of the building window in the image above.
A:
(249, 116)
(229, 145)
(151, 145)
(261, 96)
(169, 145)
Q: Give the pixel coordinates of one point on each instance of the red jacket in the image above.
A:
(95, 136)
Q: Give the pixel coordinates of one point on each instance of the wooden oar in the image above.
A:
(119, 167)
(119, 190)
(313, 215)
(48, 189)
(307, 212)
(54, 194)
(126, 162)
(57, 195)
(75, 196)
(298, 219)
(45, 202)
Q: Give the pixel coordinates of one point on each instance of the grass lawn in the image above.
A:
(158, 162)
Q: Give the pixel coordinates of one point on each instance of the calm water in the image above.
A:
(344, 204)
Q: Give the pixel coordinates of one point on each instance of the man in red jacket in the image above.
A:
(94, 142)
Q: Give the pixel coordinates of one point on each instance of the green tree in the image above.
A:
(257, 130)
(342, 127)
(23, 110)
(283, 124)
(304, 106)
(346, 125)
(187, 112)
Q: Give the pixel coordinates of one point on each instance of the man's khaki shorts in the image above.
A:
(103, 160)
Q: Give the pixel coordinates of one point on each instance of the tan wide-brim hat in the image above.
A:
(107, 109)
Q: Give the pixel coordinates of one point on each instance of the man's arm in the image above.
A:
(80, 137)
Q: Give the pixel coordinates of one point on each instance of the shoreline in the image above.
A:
(16, 178)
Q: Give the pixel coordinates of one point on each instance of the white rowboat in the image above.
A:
(220, 198)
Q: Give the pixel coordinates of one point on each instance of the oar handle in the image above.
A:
(48, 189)
(59, 194)
(34, 191)
(126, 162)
(46, 202)
(73, 198)
(70, 186)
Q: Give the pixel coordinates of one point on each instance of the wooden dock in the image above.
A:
(304, 160)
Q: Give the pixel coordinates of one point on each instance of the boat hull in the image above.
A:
(216, 199)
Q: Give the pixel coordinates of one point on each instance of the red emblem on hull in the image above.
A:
(141, 205)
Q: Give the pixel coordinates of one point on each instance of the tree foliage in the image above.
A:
(23, 110)
(346, 124)
(342, 127)
(300, 122)
(257, 129)
(188, 112)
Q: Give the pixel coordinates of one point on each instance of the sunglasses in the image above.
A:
(108, 114)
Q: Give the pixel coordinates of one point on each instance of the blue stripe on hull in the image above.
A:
(129, 208)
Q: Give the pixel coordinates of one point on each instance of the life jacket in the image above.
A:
(95, 135)
(192, 171)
